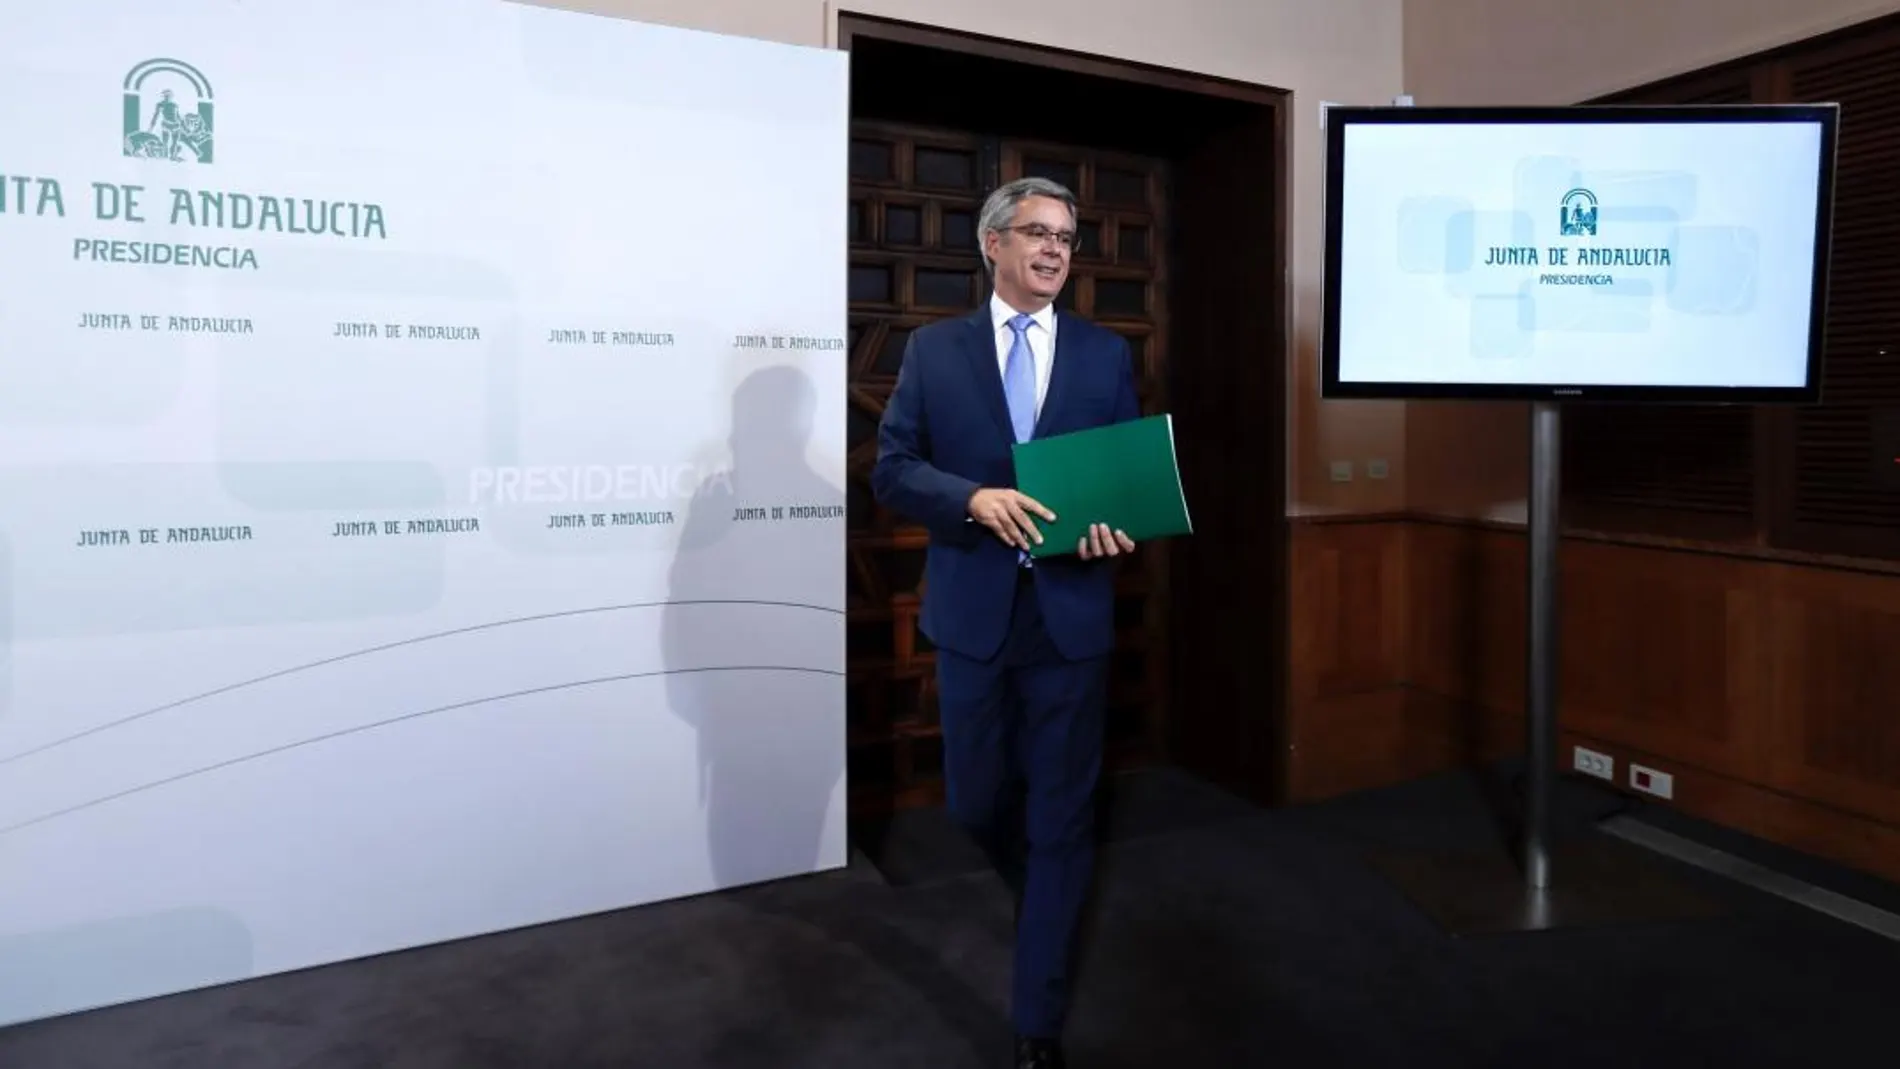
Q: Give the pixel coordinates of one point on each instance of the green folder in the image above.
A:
(1123, 475)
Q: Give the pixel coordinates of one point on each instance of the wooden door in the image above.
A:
(915, 196)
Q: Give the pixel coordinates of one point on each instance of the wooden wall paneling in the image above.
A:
(1838, 503)
(1766, 685)
(1665, 651)
(1464, 666)
(1730, 83)
(1394, 633)
(1834, 656)
(1348, 594)
(1346, 725)
(1467, 603)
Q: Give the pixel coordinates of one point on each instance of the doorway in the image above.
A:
(1180, 249)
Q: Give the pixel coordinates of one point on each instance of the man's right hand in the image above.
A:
(1007, 513)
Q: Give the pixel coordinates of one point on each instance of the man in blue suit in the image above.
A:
(1022, 645)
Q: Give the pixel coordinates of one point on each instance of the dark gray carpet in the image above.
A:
(1224, 936)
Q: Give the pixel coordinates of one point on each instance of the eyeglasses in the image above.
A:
(1036, 232)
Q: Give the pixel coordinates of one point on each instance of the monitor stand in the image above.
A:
(1590, 879)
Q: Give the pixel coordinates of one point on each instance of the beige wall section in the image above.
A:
(1472, 459)
(1347, 51)
(1564, 52)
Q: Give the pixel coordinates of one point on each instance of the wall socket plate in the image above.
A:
(1652, 781)
(1342, 471)
(1887, 447)
(1376, 469)
(1590, 762)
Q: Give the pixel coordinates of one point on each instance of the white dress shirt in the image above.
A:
(1041, 336)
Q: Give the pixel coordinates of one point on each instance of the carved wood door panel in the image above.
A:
(915, 195)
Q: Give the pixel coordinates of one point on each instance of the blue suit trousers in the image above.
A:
(1022, 737)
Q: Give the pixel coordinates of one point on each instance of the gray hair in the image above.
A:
(1001, 207)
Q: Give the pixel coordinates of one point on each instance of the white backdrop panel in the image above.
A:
(421, 479)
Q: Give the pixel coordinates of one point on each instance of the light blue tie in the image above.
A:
(1019, 387)
(1019, 380)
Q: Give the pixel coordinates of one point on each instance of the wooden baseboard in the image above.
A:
(1798, 824)
(1756, 679)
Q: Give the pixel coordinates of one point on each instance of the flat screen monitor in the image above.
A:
(1671, 254)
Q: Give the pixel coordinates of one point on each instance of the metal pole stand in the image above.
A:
(1588, 878)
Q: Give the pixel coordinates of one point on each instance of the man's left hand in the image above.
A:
(1100, 542)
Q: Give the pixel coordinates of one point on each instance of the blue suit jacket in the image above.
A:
(946, 433)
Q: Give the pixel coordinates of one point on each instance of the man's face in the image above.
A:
(1031, 257)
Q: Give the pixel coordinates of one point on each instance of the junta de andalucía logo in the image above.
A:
(167, 112)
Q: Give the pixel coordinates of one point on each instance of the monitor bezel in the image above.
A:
(1340, 120)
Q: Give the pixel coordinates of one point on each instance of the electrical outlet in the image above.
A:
(1600, 765)
(1650, 781)
(1342, 471)
(1376, 469)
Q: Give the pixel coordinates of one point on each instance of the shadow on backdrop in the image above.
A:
(771, 721)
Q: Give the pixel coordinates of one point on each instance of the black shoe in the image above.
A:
(1039, 1054)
